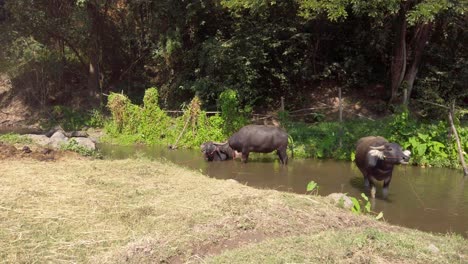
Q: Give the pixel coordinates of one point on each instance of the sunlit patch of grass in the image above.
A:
(144, 211)
(354, 245)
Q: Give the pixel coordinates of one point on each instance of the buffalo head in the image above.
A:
(391, 153)
(214, 151)
(209, 150)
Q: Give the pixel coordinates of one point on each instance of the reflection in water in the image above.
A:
(432, 199)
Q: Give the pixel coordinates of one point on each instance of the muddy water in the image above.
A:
(430, 199)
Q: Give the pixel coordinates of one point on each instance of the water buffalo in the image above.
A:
(375, 158)
(260, 138)
(217, 151)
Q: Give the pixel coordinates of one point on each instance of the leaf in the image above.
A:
(421, 149)
(356, 206)
(363, 195)
(424, 137)
(380, 215)
(368, 207)
(412, 141)
(311, 186)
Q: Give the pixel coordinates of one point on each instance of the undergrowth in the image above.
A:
(431, 143)
(149, 124)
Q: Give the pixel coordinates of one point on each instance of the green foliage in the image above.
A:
(12, 138)
(363, 206)
(401, 126)
(68, 118)
(428, 142)
(151, 125)
(234, 117)
(151, 122)
(95, 119)
(426, 11)
(123, 113)
(71, 120)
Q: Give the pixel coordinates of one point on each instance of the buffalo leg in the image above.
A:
(283, 156)
(372, 190)
(385, 186)
(366, 182)
(245, 156)
(370, 180)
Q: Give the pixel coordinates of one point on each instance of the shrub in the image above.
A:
(234, 117)
(151, 125)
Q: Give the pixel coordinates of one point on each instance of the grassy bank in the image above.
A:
(140, 211)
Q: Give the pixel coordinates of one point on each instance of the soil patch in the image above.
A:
(10, 152)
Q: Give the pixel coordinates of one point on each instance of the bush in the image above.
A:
(234, 117)
(151, 125)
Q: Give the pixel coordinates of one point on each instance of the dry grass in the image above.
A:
(142, 211)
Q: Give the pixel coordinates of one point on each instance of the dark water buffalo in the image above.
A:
(259, 138)
(375, 158)
(217, 151)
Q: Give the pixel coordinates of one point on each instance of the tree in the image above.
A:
(412, 21)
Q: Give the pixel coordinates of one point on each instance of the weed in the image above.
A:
(12, 138)
(363, 207)
(312, 187)
(72, 145)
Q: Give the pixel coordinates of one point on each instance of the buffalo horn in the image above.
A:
(378, 148)
(220, 143)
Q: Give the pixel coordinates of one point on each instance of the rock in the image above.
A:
(57, 139)
(341, 200)
(433, 249)
(232, 181)
(26, 149)
(85, 142)
(41, 140)
(53, 130)
(77, 134)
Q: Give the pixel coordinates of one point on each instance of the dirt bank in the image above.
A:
(140, 211)
(34, 152)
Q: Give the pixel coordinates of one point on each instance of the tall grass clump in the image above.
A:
(154, 123)
(150, 124)
(234, 117)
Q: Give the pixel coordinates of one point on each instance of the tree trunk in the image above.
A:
(94, 50)
(421, 37)
(398, 67)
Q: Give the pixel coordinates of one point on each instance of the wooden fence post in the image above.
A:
(341, 116)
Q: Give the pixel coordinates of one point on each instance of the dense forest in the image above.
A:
(135, 60)
(59, 50)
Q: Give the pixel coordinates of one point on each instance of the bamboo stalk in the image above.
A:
(455, 133)
(181, 133)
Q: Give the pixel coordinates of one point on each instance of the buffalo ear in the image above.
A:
(373, 156)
